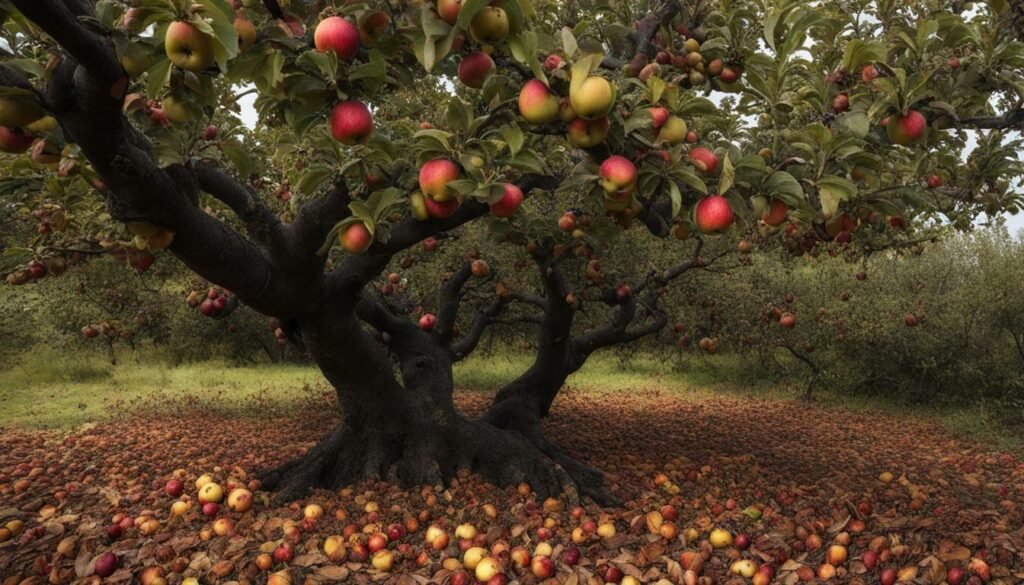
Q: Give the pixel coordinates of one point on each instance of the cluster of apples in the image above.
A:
(37, 269)
(107, 329)
(23, 126)
(905, 128)
(686, 59)
(211, 304)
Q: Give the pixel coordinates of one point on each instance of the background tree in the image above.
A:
(596, 117)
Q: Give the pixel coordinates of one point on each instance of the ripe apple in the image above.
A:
(428, 321)
(14, 141)
(449, 10)
(910, 320)
(906, 130)
(571, 556)
(955, 576)
(618, 174)
(743, 567)
(606, 530)
(187, 47)
(223, 526)
(888, 576)
(593, 99)
(489, 25)
(376, 542)
(174, 488)
(520, 557)
(537, 104)
(264, 562)
(480, 269)
(509, 202)
(240, 500)
(430, 244)
(355, 238)
(674, 131)
(588, 133)
(553, 62)
(180, 508)
(351, 122)
(787, 320)
(334, 548)
(337, 35)
(435, 176)
(114, 531)
(210, 509)
(475, 68)
(836, 555)
(106, 564)
(934, 181)
(742, 541)
(436, 537)
(705, 160)
(713, 214)
(659, 116)
(567, 222)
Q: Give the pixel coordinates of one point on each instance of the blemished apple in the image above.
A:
(337, 35)
(188, 47)
(106, 564)
(720, 538)
(509, 202)
(487, 569)
(537, 105)
(211, 492)
(240, 500)
(382, 560)
(351, 122)
(542, 567)
(475, 68)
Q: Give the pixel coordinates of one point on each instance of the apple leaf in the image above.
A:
(676, 197)
(690, 179)
(239, 157)
(859, 52)
(640, 118)
(833, 190)
(725, 181)
(569, 45)
(513, 135)
(157, 77)
(784, 185)
(313, 179)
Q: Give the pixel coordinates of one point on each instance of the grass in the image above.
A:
(57, 391)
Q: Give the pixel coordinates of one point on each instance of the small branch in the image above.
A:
(485, 317)
(649, 25)
(1013, 119)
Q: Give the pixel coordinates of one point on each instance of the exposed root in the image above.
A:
(505, 457)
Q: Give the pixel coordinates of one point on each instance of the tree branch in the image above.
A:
(465, 344)
(316, 218)
(450, 299)
(1012, 119)
(649, 25)
(260, 222)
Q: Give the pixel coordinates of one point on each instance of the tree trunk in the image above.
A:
(408, 434)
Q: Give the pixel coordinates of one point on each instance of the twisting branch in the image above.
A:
(450, 299)
(466, 343)
(94, 52)
(260, 221)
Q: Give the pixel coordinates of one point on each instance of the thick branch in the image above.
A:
(450, 299)
(59, 21)
(316, 218)
(1013, 119)
(649, 25)
(260, 221)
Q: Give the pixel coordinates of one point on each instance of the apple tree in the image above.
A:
(556, 126)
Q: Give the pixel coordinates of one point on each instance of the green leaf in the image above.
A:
(657, 86)
(676, 197)
(569, 45)
(639, 119)
(783, 183)
(831, 191)
(513, 135)
(727, 177)
(691, 179)
(856, 122)
(527, 160)
(157, 77)
(239, 157)
(313, 179)
(858, 52)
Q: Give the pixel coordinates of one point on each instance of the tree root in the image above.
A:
(415, 457)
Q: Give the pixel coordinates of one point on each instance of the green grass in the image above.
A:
(51, 390)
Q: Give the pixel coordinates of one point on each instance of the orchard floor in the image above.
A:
(788, 475)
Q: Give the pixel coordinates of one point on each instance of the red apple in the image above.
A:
(509, 202)
(713, 214)
(351, 122)
(337, 35)
(705, 160)
(428, 321)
